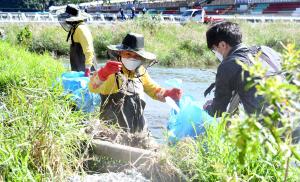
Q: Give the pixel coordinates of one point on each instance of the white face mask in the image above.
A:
(218, 55)
(131, 63)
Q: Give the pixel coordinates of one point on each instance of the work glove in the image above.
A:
(174, 93)
(207, 104)
(110, 67)
(87, 72)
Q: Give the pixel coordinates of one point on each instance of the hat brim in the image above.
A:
(142, 52)
(63, 16)
(69, 18)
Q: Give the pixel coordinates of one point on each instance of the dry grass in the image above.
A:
(112, 133)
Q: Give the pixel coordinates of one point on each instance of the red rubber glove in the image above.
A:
(174, 93)
(87, 72)
(110, 67)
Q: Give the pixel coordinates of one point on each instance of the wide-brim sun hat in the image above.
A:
(135, 43)
(81, 17)
(73, 14)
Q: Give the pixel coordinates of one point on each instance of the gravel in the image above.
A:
(127, 176)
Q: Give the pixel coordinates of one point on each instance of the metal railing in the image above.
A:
(259, 18)
(109, 17)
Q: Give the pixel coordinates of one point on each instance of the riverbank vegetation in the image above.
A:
(174, 45)
(40, 135)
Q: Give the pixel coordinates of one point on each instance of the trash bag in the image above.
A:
(190, 121)
(74, 80)
(85, 100)
(76, 84)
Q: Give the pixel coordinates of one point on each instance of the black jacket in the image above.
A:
(229, 79)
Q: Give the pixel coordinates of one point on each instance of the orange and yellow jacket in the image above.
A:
(110, 86)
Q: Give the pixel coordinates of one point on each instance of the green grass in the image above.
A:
(40, 135)
(271, 34)
(174, 45)
(215, 157)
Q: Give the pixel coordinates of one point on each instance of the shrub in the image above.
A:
(104, 39)
(24, 37)
(252, 148)
(50, 39)
(148, 23)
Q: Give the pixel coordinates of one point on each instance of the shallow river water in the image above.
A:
(194, 83)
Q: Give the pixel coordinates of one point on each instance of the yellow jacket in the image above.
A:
(83, 36)
(110, 86)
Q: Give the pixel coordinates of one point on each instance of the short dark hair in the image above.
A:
(224, 31)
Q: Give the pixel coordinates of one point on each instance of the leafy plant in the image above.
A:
(260, 147)
(24, 37)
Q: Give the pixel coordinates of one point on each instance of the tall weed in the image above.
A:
(40, 135)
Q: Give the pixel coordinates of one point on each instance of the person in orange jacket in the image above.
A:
(121, 84)
(81, 49)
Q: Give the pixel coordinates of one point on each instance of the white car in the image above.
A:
(195, 15)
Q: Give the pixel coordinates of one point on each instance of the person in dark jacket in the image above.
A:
(132, 12)
(225, 40)
(144, 10)
(122, 14)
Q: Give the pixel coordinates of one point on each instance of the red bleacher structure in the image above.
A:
(274, 7)
(222, 7)
(281, 8)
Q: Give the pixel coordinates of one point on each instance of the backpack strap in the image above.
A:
(117, 80)
(120, 75)
(71, 33)
(234, 103)
(209, 89)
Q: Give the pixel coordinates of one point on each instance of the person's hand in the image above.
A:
(208, 103)
(174, 93)
(87, 72)
(110, 67)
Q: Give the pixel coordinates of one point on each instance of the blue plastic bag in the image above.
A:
(77, 84)
(189, 121)
(85, 100)
(74, 80)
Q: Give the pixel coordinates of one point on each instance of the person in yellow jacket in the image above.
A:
(121, 84)
(81, 49)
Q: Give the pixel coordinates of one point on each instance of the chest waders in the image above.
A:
(125, 107)
(77, 57)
